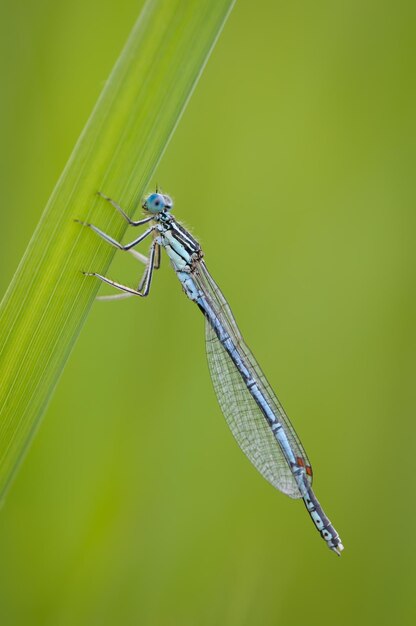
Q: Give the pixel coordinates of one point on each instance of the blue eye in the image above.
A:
(157, 202)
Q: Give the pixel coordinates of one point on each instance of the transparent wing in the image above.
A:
(243, 415)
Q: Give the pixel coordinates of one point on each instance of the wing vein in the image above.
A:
(243, 415)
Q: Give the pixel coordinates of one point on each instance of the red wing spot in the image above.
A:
(309, 470)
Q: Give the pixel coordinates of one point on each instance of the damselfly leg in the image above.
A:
(143, 259)
(144, 286)
(123, 213)
(153, 262)
(158, 257)
(114, 242)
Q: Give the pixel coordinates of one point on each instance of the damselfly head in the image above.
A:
(157, 203)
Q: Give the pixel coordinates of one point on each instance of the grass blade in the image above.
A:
(47, 302)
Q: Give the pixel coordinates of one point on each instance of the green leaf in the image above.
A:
(48, 300)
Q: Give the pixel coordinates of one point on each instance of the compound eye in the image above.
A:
(157, 203)
(157, 199)
(168, 202)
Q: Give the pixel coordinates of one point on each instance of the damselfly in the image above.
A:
(253, 412)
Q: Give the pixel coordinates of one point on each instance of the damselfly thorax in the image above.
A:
(182, 249)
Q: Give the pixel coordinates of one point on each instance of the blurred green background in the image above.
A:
(294, 165)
